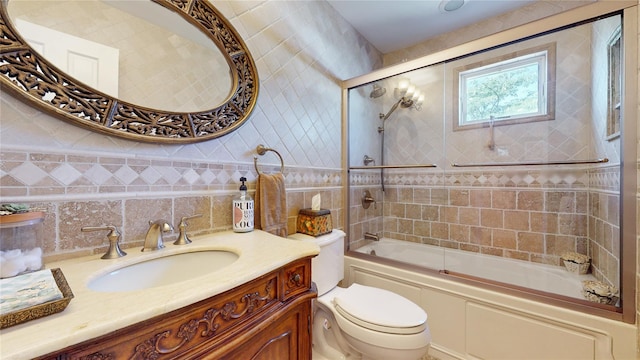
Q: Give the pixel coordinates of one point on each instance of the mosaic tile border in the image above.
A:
(32, 174)
(603, 178)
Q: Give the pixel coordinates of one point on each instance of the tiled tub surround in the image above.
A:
(530, 215)
(91, 190)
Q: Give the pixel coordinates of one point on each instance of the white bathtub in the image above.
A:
(484, 322)
(547, 278)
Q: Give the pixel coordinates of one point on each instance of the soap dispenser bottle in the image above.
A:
(243, 210)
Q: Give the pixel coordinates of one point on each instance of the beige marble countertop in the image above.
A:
(91, 313)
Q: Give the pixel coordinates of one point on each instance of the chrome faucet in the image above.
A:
(154, 239)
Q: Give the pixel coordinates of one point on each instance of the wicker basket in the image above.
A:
(576, 263)
(42, 310)
(600, 292)
(576, 268)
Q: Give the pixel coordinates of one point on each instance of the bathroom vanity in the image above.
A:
(258, 307)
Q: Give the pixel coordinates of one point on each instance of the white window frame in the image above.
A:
(543, 55)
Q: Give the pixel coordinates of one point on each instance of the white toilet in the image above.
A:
(361, 322)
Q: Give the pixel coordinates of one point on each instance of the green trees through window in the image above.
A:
(511, 89)
(502, 94)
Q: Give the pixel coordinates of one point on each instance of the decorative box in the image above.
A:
(314, 222)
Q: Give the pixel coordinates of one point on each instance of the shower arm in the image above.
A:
(405, 103)
(384, 117)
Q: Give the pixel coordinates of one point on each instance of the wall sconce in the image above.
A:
(409, 96)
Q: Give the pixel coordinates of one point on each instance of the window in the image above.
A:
(517, 87)
(614, 49)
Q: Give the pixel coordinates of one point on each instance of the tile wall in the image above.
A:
(527, 216)
(84, 190)
(83, 178)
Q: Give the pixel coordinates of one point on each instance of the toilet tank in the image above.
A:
(327, 268)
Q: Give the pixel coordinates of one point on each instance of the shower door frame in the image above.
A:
(628, 153)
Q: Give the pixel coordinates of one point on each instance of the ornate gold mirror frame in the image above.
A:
(30, 77)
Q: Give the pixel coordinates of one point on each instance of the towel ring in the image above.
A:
(261, 150)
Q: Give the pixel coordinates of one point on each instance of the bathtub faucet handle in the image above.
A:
(367, 199)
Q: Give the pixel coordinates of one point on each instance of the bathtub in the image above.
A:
(541, 277)
(469, 320)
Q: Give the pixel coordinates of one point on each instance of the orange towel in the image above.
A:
(271, 204)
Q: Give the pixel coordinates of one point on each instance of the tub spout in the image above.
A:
(371, 236)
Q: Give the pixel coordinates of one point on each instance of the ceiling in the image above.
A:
(396, 24)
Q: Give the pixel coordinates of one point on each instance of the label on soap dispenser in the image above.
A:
(242, 215)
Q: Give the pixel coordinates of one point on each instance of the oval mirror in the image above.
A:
(135, 51)
(124, 88)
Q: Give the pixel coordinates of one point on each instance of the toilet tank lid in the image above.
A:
(378, 308)
(321, 240)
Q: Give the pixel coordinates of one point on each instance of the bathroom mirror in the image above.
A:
(136, 51)
(163, 71)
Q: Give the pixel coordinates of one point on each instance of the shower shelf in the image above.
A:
(392, 167)
(567, 162)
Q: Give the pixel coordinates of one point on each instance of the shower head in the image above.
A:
(377, 91)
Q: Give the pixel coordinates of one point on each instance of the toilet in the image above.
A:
(360, 322)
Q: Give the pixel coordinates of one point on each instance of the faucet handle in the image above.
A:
(367, 199)
(183, 239)
(114, 251)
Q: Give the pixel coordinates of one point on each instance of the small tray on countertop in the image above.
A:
(41, 310)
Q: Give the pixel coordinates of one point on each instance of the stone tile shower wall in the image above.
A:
(363, 220)
(530, 215)
(604, 224)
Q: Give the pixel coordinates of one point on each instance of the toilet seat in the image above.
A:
(380, 310)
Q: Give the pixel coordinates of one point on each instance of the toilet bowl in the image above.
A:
(361, 321)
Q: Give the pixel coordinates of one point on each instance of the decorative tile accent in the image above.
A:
(109, 175)
(602, 178)
(27, 173)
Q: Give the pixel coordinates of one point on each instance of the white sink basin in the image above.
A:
(162, 271)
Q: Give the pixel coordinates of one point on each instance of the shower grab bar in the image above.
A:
(392, 167)
(261, 150)
(525, 163)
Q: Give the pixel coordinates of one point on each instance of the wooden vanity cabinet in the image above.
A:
(267, 318)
